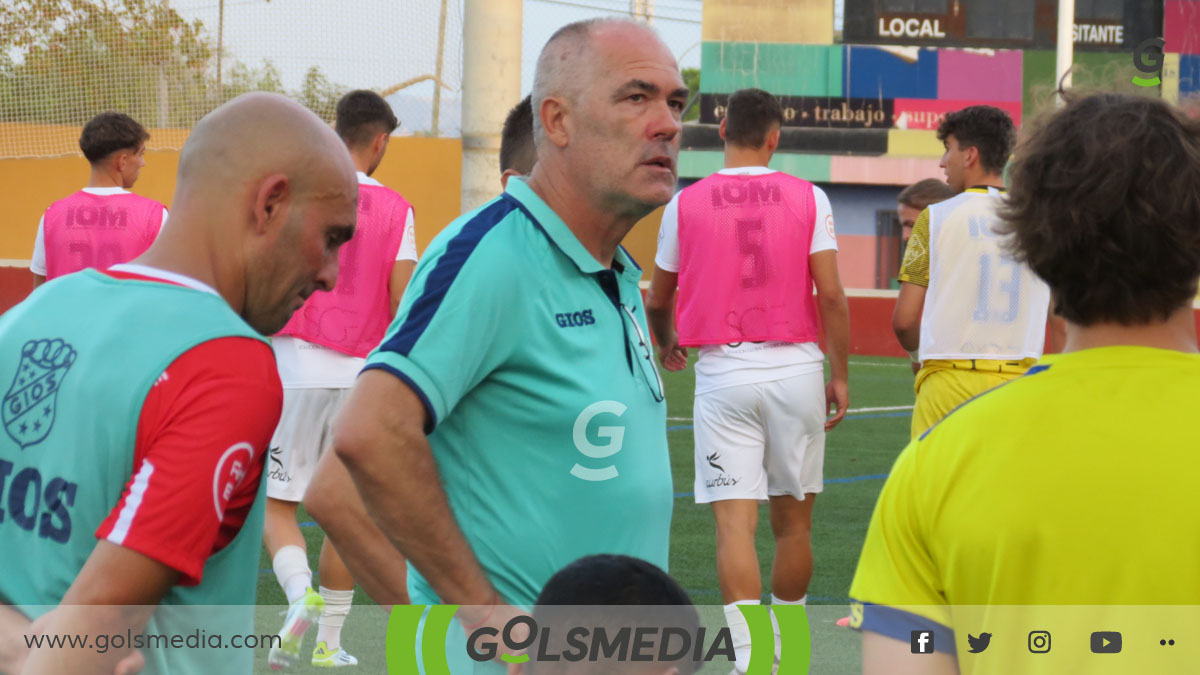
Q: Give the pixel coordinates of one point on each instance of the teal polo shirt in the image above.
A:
(545, 410)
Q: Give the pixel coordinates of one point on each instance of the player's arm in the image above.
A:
(660, 315)
(373, 561)
(401, 272)
(882, 655)
(906, 319)
(117, 590)
(37, 265)
(831, 304)
(406, 262)
(660, 297)
(379, 435)
(14, 626)
(835, 319)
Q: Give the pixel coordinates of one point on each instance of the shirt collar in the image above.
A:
(104, 191)
(985, 190)
(546, 220)
(364, 179)
(173, 277)
(747, 171)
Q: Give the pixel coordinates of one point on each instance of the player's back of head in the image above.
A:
(109, 132)
(362, 115)
(612, 580)
(750, 115)
(986, 128)
(1104, 204)
(518, 153)
(922, 193)
(614, 592)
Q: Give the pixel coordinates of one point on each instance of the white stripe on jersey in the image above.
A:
(140, 482)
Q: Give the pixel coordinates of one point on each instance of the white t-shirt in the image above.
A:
(38, 264)
(306, 365)
(721, 366)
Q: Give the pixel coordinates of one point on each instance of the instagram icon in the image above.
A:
(1039, 641)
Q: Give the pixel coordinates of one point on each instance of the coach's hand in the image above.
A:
(493, 620)
(837, 398)
(673, 357)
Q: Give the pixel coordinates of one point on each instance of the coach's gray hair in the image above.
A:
(561, 65)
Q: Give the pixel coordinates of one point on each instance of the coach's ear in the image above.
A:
(270, 203)
(721, 129)
(554, 112)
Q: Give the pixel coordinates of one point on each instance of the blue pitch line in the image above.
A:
(682, 495)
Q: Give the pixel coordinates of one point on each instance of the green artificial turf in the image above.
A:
(858, 453)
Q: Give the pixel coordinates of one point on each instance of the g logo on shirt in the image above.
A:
(231, 470)
(615, 436)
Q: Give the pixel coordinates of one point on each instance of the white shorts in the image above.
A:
(759, 440)
(302, 434)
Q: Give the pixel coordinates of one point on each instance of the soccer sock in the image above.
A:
(775, 622)
(291, 570)
(337, 606)
(739, 633)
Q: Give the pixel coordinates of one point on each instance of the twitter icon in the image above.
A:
(978, 644)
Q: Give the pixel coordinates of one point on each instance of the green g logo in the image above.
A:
(1148, 58)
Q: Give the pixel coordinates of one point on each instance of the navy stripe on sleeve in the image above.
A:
(900, 625)
(444, 271)
(430, 414)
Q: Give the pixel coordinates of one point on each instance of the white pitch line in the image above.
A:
(886, 408)
(852, 411)
(902, 364)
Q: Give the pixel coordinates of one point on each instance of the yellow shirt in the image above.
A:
(1076, 484)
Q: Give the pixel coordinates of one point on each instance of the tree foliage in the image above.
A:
(63, 61)
(691, 78)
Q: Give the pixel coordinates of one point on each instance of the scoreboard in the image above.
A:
(1100, 25)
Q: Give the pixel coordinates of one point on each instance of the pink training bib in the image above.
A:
(87, 230)
(744, 243)
(354, 316)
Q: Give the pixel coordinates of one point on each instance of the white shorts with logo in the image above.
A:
(762, 439)
(303, 433)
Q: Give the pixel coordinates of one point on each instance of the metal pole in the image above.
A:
(1065, 46)
(437, 84)
(220, 44)
(491, 86)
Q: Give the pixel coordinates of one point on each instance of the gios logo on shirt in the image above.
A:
(31, 404)
(574, 319)
(613, 438)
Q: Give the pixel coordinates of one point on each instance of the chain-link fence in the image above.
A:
(169, 62)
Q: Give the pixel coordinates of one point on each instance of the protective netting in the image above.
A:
(169, 62)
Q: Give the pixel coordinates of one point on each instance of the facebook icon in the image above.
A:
(922, 642)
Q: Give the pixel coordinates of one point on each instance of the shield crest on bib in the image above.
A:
(30, 404)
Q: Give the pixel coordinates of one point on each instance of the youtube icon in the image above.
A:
(1106, 642)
